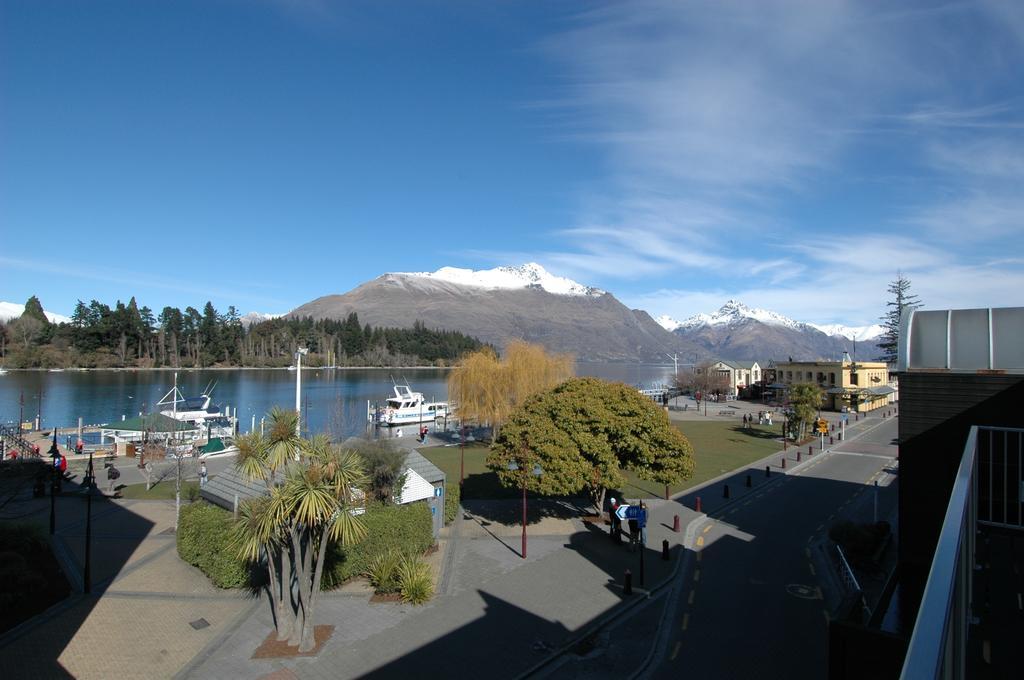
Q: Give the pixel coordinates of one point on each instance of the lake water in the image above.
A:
(334, 401)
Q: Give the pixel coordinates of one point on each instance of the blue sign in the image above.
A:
(628, 512)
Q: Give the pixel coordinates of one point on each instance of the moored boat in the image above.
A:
(405, 408)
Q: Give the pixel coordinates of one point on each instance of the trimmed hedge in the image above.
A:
(408, 529)
(204, 533)
(451, 502)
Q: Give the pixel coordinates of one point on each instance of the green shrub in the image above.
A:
(204, 534)
(451, 503)
(382, 570)
(406, 529)
(415, 580)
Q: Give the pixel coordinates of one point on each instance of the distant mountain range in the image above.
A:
(737, 331)
(506, 303)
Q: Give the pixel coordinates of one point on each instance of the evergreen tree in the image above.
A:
(902, 300)
(34, 310)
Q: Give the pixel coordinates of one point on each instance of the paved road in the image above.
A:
(752, 605)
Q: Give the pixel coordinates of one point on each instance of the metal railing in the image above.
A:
(983, 493)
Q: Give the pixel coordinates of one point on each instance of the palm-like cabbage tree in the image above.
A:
(317, 498)
(310, 498)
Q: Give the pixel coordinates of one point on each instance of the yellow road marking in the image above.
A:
(707, 528)
(696, 575)
(811, 566)
(747, 503)
(675, 651)
(830, 517)
(689, 600)
(820, 527)
(686, 621)
(700, 542)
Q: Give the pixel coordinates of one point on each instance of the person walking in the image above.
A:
(204, 475)
(112, 475)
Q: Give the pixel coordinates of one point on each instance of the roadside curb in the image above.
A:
(625, 607)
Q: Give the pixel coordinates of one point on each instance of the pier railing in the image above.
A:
(13, 439)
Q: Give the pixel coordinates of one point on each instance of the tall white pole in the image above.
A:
(174, 397)
(298, 390)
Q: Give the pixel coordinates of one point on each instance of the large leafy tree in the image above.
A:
(902, 301)
(583, 433)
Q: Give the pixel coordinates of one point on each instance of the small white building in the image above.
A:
(740, 374)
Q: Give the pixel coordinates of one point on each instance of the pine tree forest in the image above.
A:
(129, 336)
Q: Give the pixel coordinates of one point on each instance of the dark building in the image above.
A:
(961, 518)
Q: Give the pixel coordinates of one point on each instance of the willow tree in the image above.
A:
(583, 434)
(486, 389)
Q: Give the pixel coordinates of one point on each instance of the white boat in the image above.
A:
(3, 371)
(199, 412)
(405, 408)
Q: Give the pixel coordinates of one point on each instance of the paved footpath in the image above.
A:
(136, 621)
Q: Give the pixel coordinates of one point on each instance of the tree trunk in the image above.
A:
(284, 610)
(300, 578)
(599, 499)
(309, 629)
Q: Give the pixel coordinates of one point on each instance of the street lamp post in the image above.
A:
(87, 568)
(462, 456)
(537, 472)
(298, 390)
(55, 462)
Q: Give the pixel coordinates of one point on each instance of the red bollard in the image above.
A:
(856, 417)
(810, 450)
(831, 440)
(675, 524)
(833, 427)
(666, 492)
(698, 504)
(798, 456)
(784, 461)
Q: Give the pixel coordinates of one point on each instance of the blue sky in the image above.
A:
(793, 155)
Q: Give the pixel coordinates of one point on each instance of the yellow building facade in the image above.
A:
(857, 386)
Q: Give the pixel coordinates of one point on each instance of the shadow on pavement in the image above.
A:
(34, 648)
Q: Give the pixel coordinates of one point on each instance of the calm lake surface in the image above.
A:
(334, 401)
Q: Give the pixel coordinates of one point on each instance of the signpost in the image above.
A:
(638, 514)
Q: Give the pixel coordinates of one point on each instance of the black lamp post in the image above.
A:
(537, 472)
(462, 456)
(87, 568)
(55, 460)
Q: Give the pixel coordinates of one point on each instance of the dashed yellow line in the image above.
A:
(689, 600)
(675, 651)
(820, 527)
(707, 529)
(696, 575)
(686, 621)
(700, 542)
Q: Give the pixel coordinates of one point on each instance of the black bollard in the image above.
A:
(767, 471)
(750, 482)
(664, 549)
(725, 491)
(627, 583)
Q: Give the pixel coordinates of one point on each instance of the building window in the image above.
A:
(853, 378)
(832, 378)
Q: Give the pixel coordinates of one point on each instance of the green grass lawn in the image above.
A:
(718, 447)
(162, 491)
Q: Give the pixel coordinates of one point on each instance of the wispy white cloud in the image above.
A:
(717, 118)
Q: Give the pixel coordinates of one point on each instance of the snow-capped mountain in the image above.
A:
(12, 310)
(530, 275)
(733, 312)
(505, 304)
(256, 317)
(737, 331)
(668, 323)
(858, 333)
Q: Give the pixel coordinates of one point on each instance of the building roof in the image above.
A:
(743, 365)
(423, 467)
(962, 340)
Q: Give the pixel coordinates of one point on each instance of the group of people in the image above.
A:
(763, 418)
